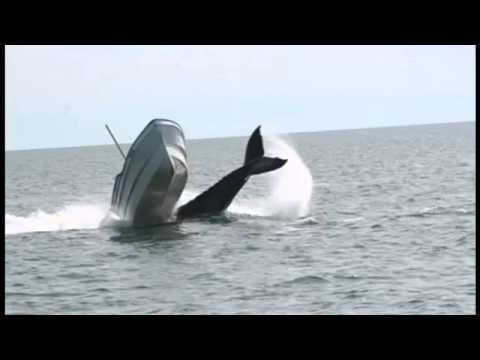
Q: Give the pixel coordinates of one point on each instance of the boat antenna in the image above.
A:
(115, 140)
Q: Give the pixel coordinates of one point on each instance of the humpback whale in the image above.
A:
(155, 172)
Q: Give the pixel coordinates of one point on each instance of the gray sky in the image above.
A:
(59, 96)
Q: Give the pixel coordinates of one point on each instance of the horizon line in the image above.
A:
(240, 136)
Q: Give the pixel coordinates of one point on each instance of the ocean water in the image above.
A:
(371, 221)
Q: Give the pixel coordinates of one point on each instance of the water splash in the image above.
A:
(291, 186)
(76, 216)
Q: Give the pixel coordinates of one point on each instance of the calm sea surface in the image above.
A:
(373, 221)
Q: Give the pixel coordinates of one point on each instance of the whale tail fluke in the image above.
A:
(264, 164)
(218, 197)
(254, 146)
(255, 160)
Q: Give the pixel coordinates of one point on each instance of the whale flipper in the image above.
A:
(218, 197)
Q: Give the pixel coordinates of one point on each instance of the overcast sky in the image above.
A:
(59, 96)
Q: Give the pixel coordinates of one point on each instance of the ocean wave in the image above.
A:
(304, 280)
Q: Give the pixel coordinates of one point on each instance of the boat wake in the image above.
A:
(288, 196)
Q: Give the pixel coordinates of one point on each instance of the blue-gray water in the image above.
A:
(389, 229)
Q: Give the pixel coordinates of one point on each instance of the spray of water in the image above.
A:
(76, 216)
(289, 191)
(290, 186)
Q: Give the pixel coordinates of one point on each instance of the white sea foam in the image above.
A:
(75, 216)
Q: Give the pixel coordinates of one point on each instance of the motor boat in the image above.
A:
(153, 177)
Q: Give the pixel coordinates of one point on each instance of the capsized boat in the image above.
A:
(153, 176)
